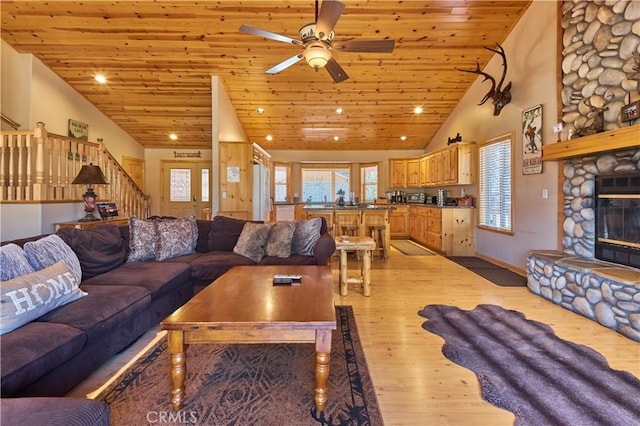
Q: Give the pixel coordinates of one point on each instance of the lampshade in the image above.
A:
(317, 55)
(90, 175)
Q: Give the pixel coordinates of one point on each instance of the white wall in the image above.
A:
(531, 54)
(15, 86)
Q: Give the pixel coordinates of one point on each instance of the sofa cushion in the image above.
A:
(252, 241)
(54, 411)
(279, 242)
(157, 277)
(143, 240)
(49, 250)
(29, 296)
(35, 349)
(102, 310)
(13, 262)
(209, 266)
(99, 248)
(225, 232)
(176, 237)
(294, 259)
(204, 227)
(306, 236)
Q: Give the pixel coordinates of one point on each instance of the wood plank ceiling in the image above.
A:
(158, 57)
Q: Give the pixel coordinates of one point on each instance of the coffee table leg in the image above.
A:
(343, 272)
(366, 272)
(177, 352)
(323, 351)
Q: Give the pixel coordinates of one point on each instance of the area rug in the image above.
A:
(523, 367)
(494, 273)
(410, 248)
(253, 384)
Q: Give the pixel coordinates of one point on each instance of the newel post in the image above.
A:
(40, 134)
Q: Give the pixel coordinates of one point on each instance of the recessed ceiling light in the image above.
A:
(336, 138)
(260, 110)
(100, 78)
(417, 110)
(403, 138)
(173, 137)
(339, 110)
(269, 138)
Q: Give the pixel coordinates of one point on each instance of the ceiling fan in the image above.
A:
(316, 39)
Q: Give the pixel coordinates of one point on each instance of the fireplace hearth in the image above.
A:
(617, 210)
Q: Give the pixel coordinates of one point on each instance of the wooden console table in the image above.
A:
(85, 225)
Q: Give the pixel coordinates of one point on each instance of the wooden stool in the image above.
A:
(377, 234)
(349, 230)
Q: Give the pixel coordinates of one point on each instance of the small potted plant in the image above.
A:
(341, 197)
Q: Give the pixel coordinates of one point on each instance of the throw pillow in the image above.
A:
(13, 262)
(30, 296)
(143, 239)
(225, 232)
(252, 241)
(177, 237)
(99, 249)
(306, 236)
(279, 242)
(49, 250)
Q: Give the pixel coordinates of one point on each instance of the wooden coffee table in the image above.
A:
(243, 306)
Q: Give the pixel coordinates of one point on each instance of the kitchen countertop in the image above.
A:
(348, 207)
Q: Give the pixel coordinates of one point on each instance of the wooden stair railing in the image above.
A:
(37, 166)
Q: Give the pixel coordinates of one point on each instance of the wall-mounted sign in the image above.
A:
(187, 154)
(532, 140)
(233, 174)
(78, 130)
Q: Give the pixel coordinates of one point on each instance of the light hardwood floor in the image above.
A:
(415, 383)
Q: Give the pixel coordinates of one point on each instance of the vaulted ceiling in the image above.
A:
(159, 56)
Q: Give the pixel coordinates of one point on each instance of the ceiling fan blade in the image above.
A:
(366, 46)
(268, 34)
(330, 12)
(335, 71)
(284, 64)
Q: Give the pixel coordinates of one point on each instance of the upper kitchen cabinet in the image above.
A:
(398, 173)
(451, 166)
(413, 173)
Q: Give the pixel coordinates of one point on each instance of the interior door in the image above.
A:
(134, 168)
(186, 188)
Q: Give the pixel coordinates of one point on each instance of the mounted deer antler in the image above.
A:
(498, 96)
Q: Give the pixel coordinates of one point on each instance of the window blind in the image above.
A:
(494, 200)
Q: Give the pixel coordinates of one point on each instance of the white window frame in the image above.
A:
(364, 185)
(332, 169)
(495, 184)
(286, 184)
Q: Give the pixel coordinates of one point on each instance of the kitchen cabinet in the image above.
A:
(398, 222)
(446, 230)
(413, 172)
(450, 166)
(424, 171)
(397, 173)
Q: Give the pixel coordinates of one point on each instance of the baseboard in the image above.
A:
(512, 268)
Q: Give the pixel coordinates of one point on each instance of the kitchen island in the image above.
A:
(361, 220)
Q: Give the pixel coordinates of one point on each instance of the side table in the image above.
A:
(364, 245)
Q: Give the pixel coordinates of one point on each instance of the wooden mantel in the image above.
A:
(625, 137)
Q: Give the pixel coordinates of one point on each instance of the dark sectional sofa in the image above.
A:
(51, 355)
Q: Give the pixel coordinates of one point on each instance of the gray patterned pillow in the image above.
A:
(306, 236)
(49, 250)
(253, 240)
(143, 239)
(30, 296)
(279, 242)
(176, 237)
(13, 262)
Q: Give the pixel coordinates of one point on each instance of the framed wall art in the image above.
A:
(532, 140)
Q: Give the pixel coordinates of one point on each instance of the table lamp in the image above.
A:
(90, 175)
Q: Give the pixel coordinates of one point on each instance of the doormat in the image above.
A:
(409, 248)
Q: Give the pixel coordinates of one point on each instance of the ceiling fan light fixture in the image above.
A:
(317, 55)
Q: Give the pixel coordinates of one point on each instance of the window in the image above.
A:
(321, 184)
(281, 182)
(369, 182)
(495, 159)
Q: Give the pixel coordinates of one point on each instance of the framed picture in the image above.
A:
(630, 112)
(532, 140)
(78, 130)
(107, 210)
